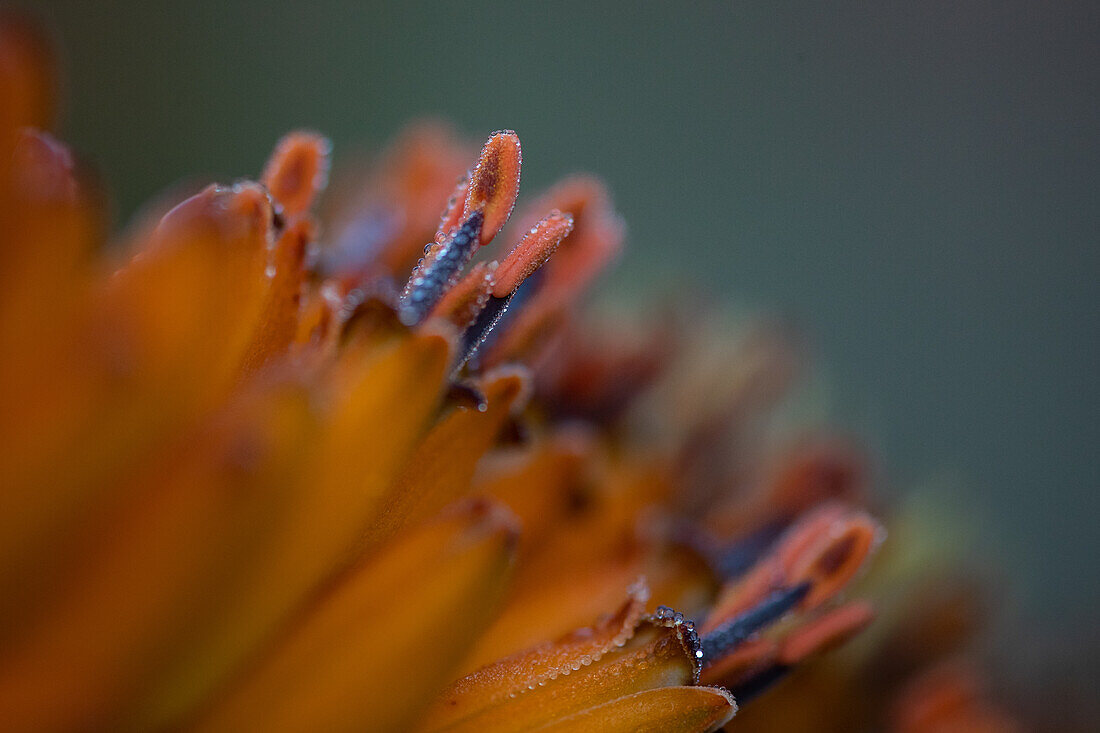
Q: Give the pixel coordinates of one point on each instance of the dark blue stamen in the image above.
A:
(734, 560)
(733, 633)
(432, 279)
(759, 683)
(475, 334)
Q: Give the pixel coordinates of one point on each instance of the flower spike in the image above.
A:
(240, 491)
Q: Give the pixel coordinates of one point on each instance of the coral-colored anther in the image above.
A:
(298, 171)
(826, 632)
(807, 531)
(596, 239)
(835, 558)
(532, 251)
(494, 183)
(464, 301)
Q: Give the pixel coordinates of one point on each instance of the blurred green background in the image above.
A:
(915, 182)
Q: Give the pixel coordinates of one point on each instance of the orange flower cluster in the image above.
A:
(264, 475)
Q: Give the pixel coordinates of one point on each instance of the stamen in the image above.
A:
(759, 683)
(474, 336)
(737, 558)
(729, 635)
(522, 262)
(826, 632)
(462, 303)
(494, 183)
(438, 272)
(532, 251)
(831, 562)
(298, 171)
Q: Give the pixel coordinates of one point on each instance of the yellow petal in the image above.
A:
(371, 652)
(667, 710)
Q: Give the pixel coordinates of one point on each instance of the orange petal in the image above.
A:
(148, 579)
(161, 345)
(494, 183)
(319, 321)
(497, 682)
(541, 486)
(532, 251)
(284, 299)
(331, 670)
(298, 171)
(197, 291)
(551, 609)
(379, 410)
(668, 710)
(662, 653)
(51, 227)
(441, 469)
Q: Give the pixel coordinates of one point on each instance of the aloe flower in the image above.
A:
(376, 470)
